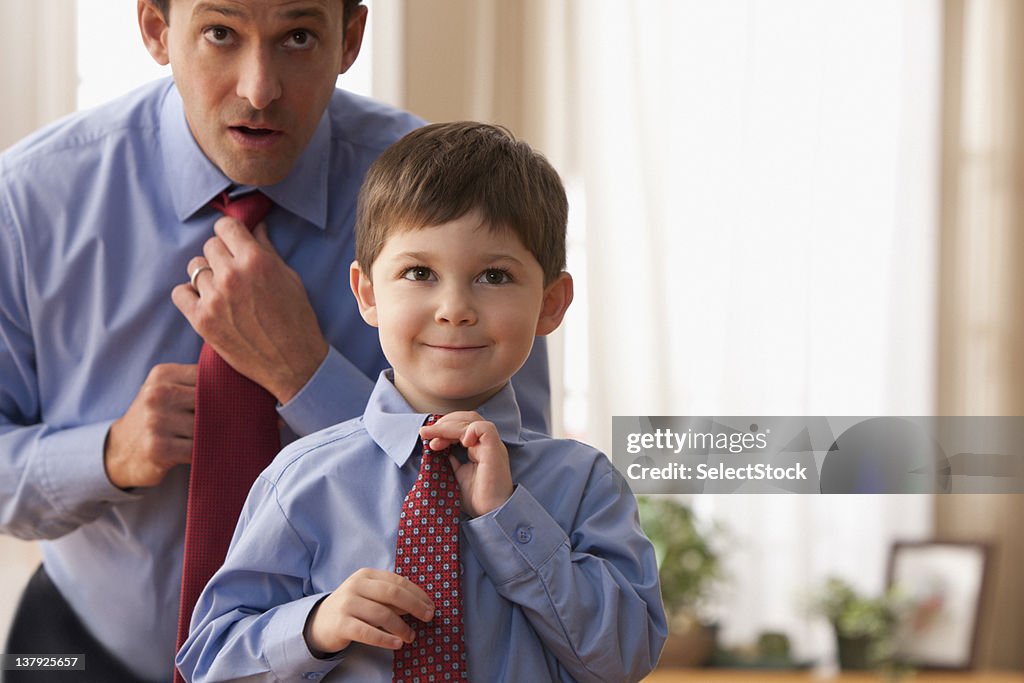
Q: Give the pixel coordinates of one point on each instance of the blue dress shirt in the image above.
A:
(558, 584)
(99, 215)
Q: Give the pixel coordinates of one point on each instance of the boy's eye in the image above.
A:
(494, 276)
(418, 273)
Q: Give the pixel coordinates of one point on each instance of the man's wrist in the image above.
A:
(288, 387)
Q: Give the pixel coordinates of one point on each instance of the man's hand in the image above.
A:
(155, 434)
(486, 480)
(252, 308)
(367, 608)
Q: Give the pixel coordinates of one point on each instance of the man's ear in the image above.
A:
(353, 37)
(557, 297)
(362, 288)
(153, 25)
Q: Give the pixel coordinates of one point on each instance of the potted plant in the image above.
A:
(688, 568)
(866, 628)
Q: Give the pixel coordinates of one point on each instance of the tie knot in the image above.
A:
(250, 208)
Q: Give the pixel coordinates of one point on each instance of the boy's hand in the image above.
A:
(367, 608)
(486, 480)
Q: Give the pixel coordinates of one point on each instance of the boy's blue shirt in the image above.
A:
(558, 583)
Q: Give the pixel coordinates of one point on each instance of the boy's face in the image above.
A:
(458, 306)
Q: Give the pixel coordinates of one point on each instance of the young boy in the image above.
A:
(365, 555)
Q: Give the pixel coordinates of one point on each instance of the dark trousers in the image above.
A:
(46, 625)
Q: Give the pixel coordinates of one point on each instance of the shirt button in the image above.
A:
(524, 534)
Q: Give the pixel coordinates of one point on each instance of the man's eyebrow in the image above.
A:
(312, 12)
(225, 10)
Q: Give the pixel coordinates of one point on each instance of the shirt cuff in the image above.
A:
(336, 392)
(285, 646)
(74, 475)
(516, 538)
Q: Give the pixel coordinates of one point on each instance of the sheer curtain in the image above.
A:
(753, 231)
(37, 85)
(760, 183)
(981, 324)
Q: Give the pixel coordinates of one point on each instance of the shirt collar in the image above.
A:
(194, 180)
(392, 424)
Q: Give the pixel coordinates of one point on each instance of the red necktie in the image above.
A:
(236, 436)
(428, 555)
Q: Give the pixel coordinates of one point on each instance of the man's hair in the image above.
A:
(441, 172)
(165, 5)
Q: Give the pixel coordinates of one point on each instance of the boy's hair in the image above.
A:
(165, 5)
(441, 172)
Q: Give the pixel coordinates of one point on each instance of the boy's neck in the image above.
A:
(421, 404)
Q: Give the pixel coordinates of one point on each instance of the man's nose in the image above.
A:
(455, 306)
(258, 80)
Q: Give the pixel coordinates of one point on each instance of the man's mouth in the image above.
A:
(255, 132)
(255, 138)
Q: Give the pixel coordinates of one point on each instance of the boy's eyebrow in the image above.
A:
(501, 257)
(426, 256)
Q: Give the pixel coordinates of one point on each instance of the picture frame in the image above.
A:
(942, 584)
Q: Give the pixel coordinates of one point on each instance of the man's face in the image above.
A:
(458, 306)
(255, 75)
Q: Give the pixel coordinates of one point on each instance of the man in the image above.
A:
(103, 217)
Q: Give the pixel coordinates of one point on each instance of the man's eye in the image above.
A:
(218, 35)
(418, 273)
(494, 276)
(300, 40)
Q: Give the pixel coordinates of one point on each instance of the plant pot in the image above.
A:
(855, 652)
(690, 647)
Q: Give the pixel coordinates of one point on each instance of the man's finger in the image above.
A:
(263, 236)
(217, 253)
(185, 300)
(184, 373)
(234, 234)
(181, 453)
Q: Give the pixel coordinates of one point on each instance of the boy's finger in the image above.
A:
(361, 632)
(439, 444)
(401, 593)
(449, 430)
(381, 617)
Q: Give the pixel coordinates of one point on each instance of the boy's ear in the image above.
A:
(557, 297)
(362, 288)
(153, 26)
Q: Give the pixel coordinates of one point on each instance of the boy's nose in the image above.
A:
(455, 308)
(258, 81)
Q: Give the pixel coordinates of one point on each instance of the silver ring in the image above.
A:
(195, 274)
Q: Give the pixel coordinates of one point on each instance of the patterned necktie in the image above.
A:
(235, 438)
(428, 555)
